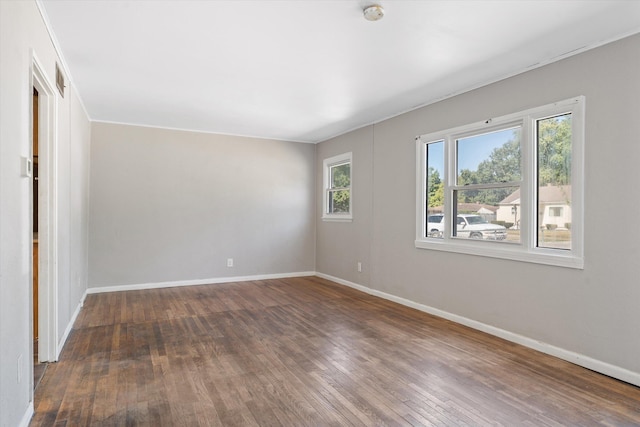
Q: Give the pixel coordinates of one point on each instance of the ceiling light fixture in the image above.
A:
(373, 13)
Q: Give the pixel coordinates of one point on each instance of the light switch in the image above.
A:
(26, 167)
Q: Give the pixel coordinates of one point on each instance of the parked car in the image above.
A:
(468, 225)
(435, 225)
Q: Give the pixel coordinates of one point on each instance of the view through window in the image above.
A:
(337, 179)
(507, 181)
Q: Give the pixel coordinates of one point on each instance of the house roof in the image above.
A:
(548, 194)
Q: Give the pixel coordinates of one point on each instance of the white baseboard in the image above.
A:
(570, 356)
(26, 418)
(69, 327)
(157, 285)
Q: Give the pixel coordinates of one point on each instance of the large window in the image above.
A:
(337, 191)
(508, 187)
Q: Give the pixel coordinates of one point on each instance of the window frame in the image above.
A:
(328, 163)
(526, 250)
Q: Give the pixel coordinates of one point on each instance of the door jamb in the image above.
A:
(47, 211)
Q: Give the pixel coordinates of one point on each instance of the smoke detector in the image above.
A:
(373, 13)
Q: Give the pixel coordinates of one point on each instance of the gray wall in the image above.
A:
(341, 245)
(22, 32)
(172, 206)
(593, 312)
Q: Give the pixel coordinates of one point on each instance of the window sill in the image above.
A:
(510, 252)
(337, 218)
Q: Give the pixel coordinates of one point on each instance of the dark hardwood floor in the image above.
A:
(306, 352)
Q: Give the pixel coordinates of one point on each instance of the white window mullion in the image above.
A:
(487, 186)
(421, 186)
(577, 177)
(528, 198)
(449, 184)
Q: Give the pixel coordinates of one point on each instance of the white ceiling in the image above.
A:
(308, 70)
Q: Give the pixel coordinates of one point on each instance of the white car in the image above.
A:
(470, 226)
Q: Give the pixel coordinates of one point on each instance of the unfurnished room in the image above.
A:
(319, 213)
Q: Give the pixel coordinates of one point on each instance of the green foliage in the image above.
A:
(503, 164)
(339, 201)
(554, 150)
(435, 188)
(340, 178)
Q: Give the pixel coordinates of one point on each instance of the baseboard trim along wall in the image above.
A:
(157, 285)
(570, 356)
(67, 331)
(26, 418)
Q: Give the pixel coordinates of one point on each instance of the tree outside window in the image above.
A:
(337, 192)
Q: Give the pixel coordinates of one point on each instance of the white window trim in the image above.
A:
(326, 183)
(526, 250)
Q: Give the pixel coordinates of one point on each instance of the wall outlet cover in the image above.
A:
(26, 167)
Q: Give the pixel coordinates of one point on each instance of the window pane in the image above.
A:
(435, 225)
(554, 182)
(498, 220)
(340, 176)
(489, 158)
(338, 201)
(435, 189)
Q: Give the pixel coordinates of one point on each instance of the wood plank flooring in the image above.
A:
(306, 352)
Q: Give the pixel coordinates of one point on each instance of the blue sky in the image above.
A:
(471, 151)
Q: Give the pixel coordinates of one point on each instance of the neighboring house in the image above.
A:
(555, 207)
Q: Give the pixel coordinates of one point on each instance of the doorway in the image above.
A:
(43, 301)
(38, 367)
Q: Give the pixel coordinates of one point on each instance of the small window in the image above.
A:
(555, 211)
(507, 187)
(337, 191)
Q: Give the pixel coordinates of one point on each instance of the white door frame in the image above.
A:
(47, 214)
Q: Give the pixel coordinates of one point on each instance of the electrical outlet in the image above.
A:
(359, 267)
(229, 262)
